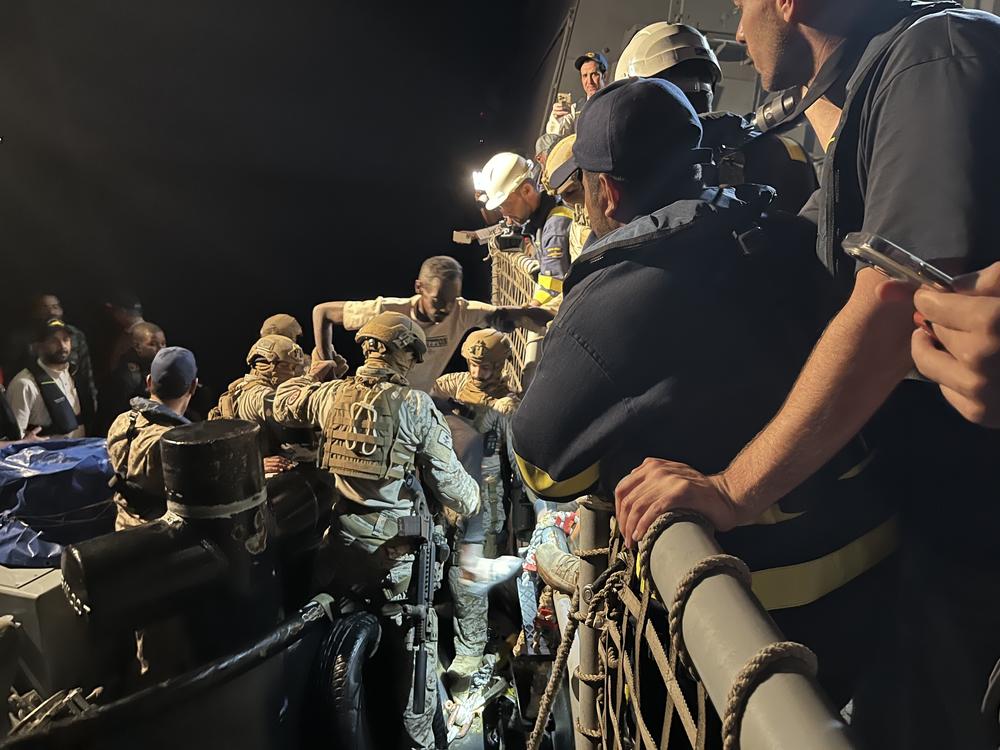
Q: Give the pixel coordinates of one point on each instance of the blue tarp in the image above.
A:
(52, 493)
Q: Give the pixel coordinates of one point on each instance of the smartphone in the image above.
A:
(894, 261)
(566, 99)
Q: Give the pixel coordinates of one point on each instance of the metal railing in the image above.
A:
(647, 670)
(513, 275)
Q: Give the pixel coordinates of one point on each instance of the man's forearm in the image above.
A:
(323, 318)
(858, 361)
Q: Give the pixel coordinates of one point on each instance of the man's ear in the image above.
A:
(418, 286)
(149, 384)
(612, 195)
(790, 11)
(194, 387)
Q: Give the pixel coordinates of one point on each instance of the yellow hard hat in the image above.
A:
(558, 156)
(395, 331)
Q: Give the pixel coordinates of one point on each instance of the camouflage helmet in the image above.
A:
(396, 331)
(281, 324)
(274, 349)
(486, 345)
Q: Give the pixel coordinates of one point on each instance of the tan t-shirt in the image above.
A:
(442, 338)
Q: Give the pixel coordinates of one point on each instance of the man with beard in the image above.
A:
(45, 393)
(437, 307)
(18, 350)
(543, 221)
(904, 96)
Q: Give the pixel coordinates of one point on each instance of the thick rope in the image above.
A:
(784, 656)
(660, 525)
(710, 566)
(555, 678)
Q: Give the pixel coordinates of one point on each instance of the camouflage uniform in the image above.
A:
(134, 449)
(252, 398)
(408, 432)
(490, 418)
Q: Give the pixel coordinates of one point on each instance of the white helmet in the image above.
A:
(663, 45)
(501, 176)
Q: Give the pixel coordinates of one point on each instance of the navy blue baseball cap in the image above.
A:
(597, 57)
(172, 372)
(50, 327)
(634, 129)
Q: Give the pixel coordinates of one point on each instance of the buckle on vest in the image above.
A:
(358, 410)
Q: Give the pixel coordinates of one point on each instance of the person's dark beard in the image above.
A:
(59, 358)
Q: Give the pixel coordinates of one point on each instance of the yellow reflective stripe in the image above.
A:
(774, 515)
(551, 283)
(797, 585)
(858, 467)
(794, 149)
(539, 481)
(542, 296)
(561, 211)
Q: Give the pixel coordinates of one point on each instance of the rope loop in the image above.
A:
(660, 525)
(710, 566)
(782, 656)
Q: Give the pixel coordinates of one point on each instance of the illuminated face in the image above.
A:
(518, 206)
(779, 53)
(591, 78)
(55, 349)
(437, 297)
(483, 372)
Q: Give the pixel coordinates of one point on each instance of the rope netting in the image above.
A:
(513, 278)
(648, 692)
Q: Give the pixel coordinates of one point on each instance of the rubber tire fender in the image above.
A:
(352, 640)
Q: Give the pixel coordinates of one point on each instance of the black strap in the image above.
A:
(140, 502)
(64, 419)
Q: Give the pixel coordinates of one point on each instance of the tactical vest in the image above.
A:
(64, 419)
(361, 434)
(226, 408)
(140, 502)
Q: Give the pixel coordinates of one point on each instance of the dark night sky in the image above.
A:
(228, 160)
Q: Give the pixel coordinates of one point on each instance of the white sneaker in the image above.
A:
(482, 574)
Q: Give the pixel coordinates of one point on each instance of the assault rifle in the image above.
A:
(418, 529)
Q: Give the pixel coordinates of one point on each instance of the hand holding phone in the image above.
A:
(895, 262)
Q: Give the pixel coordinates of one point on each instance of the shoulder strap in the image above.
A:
(64, 419)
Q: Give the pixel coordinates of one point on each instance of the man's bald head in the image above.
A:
(147, 340)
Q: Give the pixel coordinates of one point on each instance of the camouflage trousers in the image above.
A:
(397, 638)
(471, 612)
